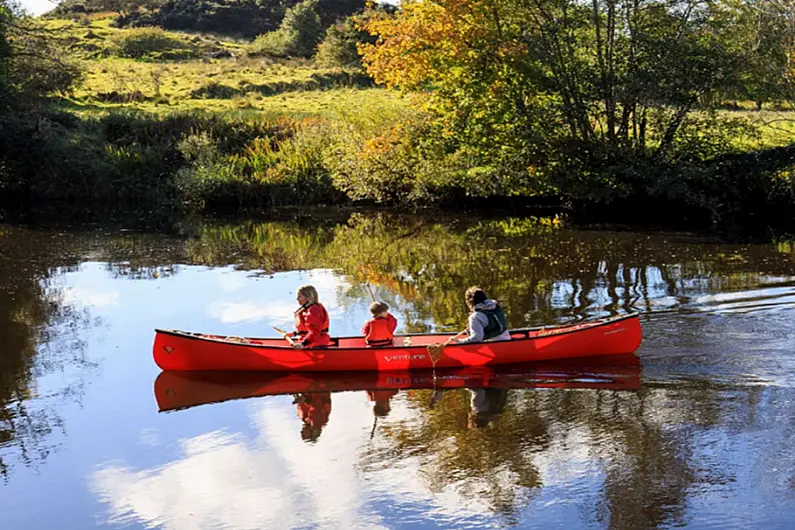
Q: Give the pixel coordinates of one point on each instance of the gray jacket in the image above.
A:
(478, 323)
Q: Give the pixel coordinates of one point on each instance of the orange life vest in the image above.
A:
(380, 331)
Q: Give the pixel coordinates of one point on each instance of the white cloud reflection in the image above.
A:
(227, 481)
(276, 307)
(219, 482)
(278, 481)
(236, 312)
(87, 298)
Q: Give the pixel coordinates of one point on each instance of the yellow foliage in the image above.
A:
(380, 145)
(431, 41)
(408, 44)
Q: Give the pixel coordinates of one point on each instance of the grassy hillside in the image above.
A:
(167, 121)
(162, 71)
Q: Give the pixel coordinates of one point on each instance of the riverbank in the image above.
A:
(216, 131)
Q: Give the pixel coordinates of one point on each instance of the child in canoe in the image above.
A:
(379, 330)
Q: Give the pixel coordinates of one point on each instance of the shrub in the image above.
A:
(339, 46)
(297, 36)
(394, 162)
(38, 65)
(153, 43)
(206, 173)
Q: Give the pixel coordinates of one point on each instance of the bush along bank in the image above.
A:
(132, 161)
(136, 162)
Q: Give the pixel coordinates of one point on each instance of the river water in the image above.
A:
(697, 434)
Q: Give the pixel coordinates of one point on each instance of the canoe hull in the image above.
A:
(181, 351)
(181, 390)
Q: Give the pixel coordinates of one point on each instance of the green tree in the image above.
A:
(297, 36)
(40, 66)
(772, 43)
(582, 97)
(5, 52)
(339, 46)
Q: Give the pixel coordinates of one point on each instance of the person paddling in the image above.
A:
(311, 320)
(379, 330)
(486, 319)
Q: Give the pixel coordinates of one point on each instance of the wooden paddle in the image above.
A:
(285, 335)
(370, 291)
(436, 350)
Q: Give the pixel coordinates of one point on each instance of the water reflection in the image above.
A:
(346, 477)
(707, 433)
(314, 409)
(35, 308)
(539, 272)
(311, 390)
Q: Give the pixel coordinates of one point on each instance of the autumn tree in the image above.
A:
(5, 52)
(563, 87)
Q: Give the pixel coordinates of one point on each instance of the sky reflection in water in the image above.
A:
(704, 443)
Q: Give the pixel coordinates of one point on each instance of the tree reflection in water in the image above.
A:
(645, 449)
(539, 271)
(43, 325)
(33, 314)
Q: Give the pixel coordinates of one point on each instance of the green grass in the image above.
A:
(163, 130)
(340, 103)
(238, 85)
(245, 85)
(776, 127)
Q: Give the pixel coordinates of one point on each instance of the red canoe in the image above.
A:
(180, 390)
(182, 351)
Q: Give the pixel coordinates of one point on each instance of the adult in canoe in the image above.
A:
(311, 320)
(486, 318)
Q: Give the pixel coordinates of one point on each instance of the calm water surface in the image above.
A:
(698, 435)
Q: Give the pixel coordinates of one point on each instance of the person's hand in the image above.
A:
(298, 346)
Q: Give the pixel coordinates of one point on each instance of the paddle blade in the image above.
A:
(435, 351)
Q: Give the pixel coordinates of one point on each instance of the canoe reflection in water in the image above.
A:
(312, 391)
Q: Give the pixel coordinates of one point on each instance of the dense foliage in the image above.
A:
(5, 54)
(580, 96)
(340, 45)
(244, 18)
(603, 107)
(298, 34)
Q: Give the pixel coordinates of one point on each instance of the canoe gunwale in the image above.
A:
(552, 331)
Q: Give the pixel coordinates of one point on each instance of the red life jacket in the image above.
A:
(312, 324)
(380, 331)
